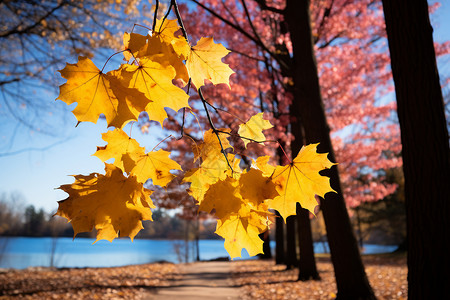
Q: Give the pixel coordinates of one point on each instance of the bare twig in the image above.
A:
(211, 124)
(180, 21)
(263, 5)
(200, 93)
(242, 31)
(27, 29)
(155, 16)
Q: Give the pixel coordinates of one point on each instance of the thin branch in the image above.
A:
(218, 110)
(27, 29)
(200, 93)
(184, 110)
(247, 14)
(245, 55)
(263, 5)
(166, 15)
(246, 138)
(139, 25)
(327, 43)
(216, 132)
(155, 15)
(281, 147)
(242, 31)
(170, 136)
(9, 81)
(104, 66)
(325, 16)
(180, 21)
(229, 12)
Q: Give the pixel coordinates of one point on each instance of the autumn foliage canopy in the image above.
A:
(159, 71)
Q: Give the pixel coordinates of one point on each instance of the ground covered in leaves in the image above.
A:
(265, 280)
(255, 279)
(129, 282)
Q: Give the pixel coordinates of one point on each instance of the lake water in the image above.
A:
(22, 252)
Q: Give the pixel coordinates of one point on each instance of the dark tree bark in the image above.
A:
(307, 263)
(350, 275)
(267, 252)
(291, 251)
(358, 225)
(280, 234)
(279, 240)
(197, 238)
(426, 154)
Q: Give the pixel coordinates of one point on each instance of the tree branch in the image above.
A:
(263, 6)
(242, 31)
(216, 132)
(27, 29)
(9, 81)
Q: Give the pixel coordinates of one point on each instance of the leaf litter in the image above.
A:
(258, 279)
(128, 282)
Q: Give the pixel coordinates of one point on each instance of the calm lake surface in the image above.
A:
(22, 252)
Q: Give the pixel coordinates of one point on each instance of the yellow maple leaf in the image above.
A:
(165, 54)
(219, 167)
(157, 48)
(205, 62)
(241, 230)
(112, 203)
(223, 197)
(256, 187)
(211, 147)
(241, 209)
(239, 234)
(300, 181)
(210, 172)
(135, 44)
(97, 93)
(133, 160)
(166, 33)
(155, 165)
(253, 128)
(155, 81)
(262, 163)
(200, 180)
(119, 144)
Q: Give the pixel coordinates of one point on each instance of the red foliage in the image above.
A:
(355, 77)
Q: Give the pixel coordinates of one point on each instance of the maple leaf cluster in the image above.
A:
(116, 203)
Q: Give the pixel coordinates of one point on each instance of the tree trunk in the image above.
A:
(281, 237)
(197, 239)
(426, 154)
(351, 279)
(279, 240)
(307, 263)
(291, 251)
(267, 252)
(360, 233)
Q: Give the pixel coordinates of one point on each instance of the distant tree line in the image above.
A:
(18, 219)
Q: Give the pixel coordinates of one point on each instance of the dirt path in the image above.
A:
(202, 280)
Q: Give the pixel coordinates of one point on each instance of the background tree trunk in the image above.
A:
(267, 252)
(291, 245)
(426, 154)
(279, 240)
(351, 278)
(307, 263)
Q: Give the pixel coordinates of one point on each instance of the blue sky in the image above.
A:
(36, 173)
